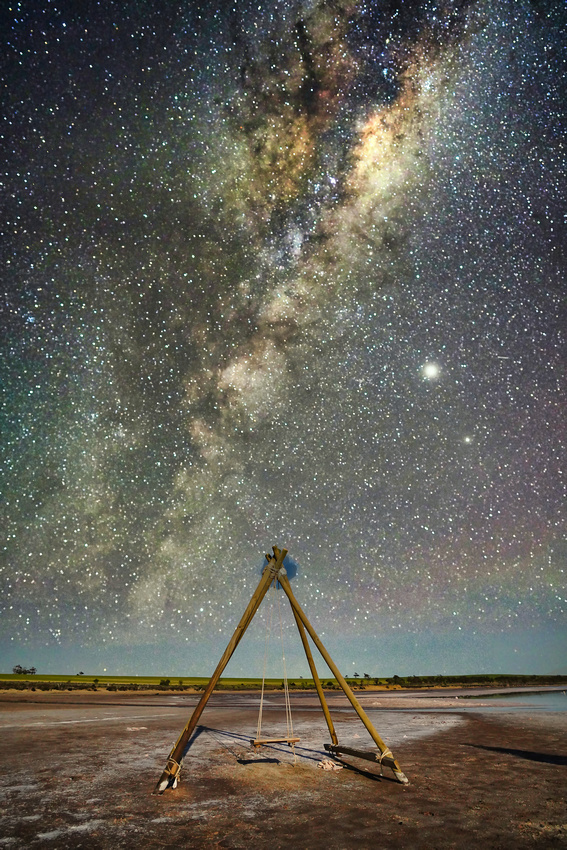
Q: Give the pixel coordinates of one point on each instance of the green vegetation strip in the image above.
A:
(80, 681)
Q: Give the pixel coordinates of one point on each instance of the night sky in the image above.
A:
(286, 273)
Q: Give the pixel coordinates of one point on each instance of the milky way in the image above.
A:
(288, 273)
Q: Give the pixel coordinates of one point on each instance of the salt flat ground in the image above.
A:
(77, 770)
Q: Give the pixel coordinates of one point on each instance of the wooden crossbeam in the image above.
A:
(367, 755)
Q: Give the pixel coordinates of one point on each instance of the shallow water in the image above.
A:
(498, 701)
(549, 701)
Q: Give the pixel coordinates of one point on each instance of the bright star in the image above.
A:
(430, 370)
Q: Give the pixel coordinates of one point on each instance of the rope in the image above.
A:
(288, 717)
(386, 753)
(268, 632)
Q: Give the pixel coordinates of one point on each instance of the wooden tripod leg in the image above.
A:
(173, 765)
(386, 754)
(315, 676)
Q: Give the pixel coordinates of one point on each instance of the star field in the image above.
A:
(293, 274)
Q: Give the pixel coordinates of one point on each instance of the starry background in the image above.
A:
(284, 273)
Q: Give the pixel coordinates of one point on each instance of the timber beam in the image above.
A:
(368, 755)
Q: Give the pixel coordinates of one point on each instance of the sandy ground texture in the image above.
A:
(77, 771)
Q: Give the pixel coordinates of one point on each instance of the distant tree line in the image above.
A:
(357, 681)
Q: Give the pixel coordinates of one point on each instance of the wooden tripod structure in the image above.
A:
(275, 571)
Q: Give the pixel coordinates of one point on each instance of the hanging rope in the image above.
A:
(288, 717)
(289, 739)
(266, 644)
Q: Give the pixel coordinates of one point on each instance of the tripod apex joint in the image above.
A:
(275, 563)
(275, 571)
